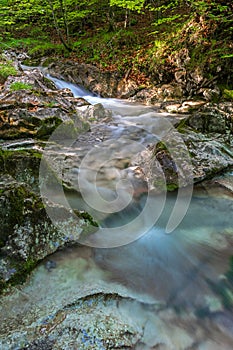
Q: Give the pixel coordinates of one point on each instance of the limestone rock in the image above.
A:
(104, 83)
(37, 110)
(27, 233)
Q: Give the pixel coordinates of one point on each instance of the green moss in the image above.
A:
(229, 274)
(20, 164)
(172, 187)
(18, 85)
(45, 48)
(22, 270)
(182, 125)
(160, 146)
(87, 216)
(7, 69)
(17, 197)
(228, 94)
(47, 127)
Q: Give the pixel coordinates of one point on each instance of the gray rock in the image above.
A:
(104, 83)
(37, 110)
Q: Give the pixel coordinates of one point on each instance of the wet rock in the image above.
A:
(220, 186)
(95, 114)
(202, 148)
(166, 165)
(27, 234)
(104, 83)
(208, 136)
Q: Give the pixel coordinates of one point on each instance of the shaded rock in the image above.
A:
(21, 161)
(211, 118)
(104, 83)
(159, 93)
(27, 234)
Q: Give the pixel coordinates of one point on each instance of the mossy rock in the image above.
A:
(22, 165)
(27, 234)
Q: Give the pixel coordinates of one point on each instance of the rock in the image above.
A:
(36, 111)
(95, 114)
(209, 156)
(27, 233)
(163, 166)
(211, 118)
(220, 186)
(208, 136)
(21, 162)
(174, 108)
(185, 107)
(104, 83)
(34, 78)
(210, 94)
(159, 93)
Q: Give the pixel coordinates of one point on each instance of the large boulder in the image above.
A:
(208, 136)
(203, 147)
(27, 233)
(31, 107)
(104, 83)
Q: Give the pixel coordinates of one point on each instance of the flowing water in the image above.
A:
(185, 276)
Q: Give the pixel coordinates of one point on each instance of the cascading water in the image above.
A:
(187, 273)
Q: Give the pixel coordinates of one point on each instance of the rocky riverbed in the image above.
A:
(82, 298)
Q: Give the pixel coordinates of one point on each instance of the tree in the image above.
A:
(128, 5)
(54, 5)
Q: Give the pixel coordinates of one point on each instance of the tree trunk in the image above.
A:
(56, 26)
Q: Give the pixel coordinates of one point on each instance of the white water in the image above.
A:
(195, 255)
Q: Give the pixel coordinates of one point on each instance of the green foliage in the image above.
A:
(108, 48)
(45, 48)
(7, 69)
(227, 56)
(18, 85)
(228, 94)
(134, 5)
(118, 34)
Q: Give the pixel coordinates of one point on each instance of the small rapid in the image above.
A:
(177, 287)
(183, 269)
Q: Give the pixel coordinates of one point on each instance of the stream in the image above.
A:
(175, 290)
